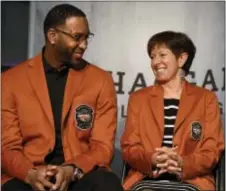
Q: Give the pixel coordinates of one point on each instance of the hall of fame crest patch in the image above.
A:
(84, 117)
(196, 130)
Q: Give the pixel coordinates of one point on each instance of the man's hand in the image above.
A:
(63, 176)
(38, 179)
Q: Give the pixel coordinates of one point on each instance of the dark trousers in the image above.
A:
(163, 185)
(98, 180)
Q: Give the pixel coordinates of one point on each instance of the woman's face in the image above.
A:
(164, 64)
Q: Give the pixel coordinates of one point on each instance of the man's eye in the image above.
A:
(77, 37)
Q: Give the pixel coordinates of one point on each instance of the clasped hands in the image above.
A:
(166, 159)
(39, 178)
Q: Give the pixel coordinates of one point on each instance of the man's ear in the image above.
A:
(182, 59)
(51, 36)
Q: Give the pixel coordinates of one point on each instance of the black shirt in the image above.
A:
(56, 82)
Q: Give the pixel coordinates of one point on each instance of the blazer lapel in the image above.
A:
(73, 85)
(186, 104)
(157, 106)
(38, 81)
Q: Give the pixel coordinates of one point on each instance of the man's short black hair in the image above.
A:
(58, 15)
(177, 42)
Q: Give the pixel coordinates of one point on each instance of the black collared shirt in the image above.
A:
(56, 82)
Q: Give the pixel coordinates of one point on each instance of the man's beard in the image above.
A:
(79, 65)
(68, 61)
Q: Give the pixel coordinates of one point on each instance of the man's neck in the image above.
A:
(51, 58)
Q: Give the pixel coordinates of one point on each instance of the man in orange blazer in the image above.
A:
(59, 114)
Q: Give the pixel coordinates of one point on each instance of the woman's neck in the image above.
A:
(173, 89)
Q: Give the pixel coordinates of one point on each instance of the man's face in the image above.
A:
(71, 41)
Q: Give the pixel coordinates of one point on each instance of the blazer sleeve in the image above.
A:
(207, 156)
(132, 150)
(14, 162)
(103, 132)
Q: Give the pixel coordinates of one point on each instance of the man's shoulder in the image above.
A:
(15, 70)
(97, 71)
(18, 71)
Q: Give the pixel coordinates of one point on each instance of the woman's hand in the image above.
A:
(166, 160)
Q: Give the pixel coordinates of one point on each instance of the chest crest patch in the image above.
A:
(84, 117)
(196, 130)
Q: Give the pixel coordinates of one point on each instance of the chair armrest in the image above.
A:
(124, 171)
(220, 173)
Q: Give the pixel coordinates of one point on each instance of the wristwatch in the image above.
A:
(77, 174)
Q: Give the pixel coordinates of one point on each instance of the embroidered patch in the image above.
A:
(196, 130)
(84, 117)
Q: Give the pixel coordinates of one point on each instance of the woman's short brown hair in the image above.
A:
(177, 42)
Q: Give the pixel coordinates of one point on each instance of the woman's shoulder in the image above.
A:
(142, 93)
(199, 89)
(202, 93)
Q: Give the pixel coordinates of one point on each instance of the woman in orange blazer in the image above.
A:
(173, 130)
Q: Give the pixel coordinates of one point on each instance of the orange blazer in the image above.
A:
(88, 118)
(145, 127)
